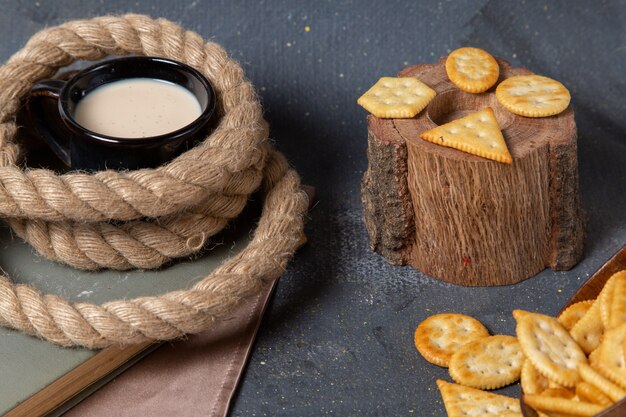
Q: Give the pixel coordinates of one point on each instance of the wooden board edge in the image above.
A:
(592, 287)
(77, 380)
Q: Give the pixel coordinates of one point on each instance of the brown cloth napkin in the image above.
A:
(193, 377)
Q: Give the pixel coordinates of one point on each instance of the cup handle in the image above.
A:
(42, 95)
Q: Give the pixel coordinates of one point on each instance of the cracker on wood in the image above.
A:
(590, 375)
(612, 360)
(531, 380)
(589, 329)
(574, 313)
(562, 405)
(397, 97)
(461, 401)
(594, 356)
(550, 348)
(559, 392)
(589, 393)
(488, 363)
(606, 299)
(477, 133)
(617, 314)
(533, 95)
(439, 336)
(472, 69)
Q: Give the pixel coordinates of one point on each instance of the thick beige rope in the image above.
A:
(68, 217)
(191, 198)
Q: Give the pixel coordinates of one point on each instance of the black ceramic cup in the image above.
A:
(83, 149)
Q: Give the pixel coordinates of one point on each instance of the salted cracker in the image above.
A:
(589, 393)
(461, 401)
(606, 299)
(441, 335)
(396, 97)
(590, 375)
(520, 314)
(589, 329)
(562, 405)
(612, 361)
(533, 95)
(472, 69)
(477, 133)
(550, 348)
(531, 380)
(594, 356)
(574, 313)
(487, 363)
(617, 314)
(559, 392)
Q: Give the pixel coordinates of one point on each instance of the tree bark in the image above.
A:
(465, 219)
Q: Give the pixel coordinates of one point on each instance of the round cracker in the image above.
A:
(574, 313)
(594, 356)
(533, 95)
(531, 380)
(617, 314)
(487, 363)
(591, 394)
(560, 405)
(606, 299)
(473, 70)
(439, 336)
(589, 329)
(559, 392)
(550, 348)
(612, 360)
(588, 374)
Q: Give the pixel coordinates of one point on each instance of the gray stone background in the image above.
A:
(337, 339)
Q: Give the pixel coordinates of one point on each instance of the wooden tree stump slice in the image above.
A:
(465, 219)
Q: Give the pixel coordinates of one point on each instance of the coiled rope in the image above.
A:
(144, 218)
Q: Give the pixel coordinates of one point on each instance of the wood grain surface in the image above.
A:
(474, 221)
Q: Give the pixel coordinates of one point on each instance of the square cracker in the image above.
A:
(477, 133)
(461, 401)
(397, 97)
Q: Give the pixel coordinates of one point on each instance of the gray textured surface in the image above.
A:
(338, 336)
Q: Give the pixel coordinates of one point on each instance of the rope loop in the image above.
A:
(144, 218)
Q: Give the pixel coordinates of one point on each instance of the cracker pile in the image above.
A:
(572, 365)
